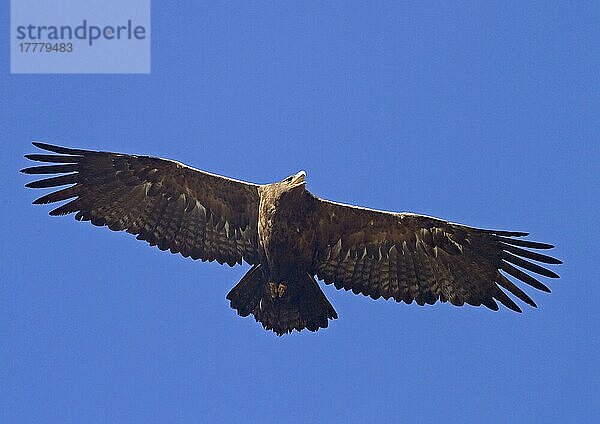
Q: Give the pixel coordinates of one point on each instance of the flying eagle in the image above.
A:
(289, 236)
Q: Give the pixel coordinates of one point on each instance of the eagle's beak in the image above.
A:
(298, 178)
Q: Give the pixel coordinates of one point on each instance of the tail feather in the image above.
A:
(303, 304)
(246, 294)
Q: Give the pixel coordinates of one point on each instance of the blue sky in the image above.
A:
(484, 113)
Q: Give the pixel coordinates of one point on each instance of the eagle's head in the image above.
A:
(289, 188)
(293, 181)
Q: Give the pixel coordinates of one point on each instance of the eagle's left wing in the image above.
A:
(166, 203)
(410, 257)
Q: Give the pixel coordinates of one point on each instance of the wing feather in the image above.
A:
(410, 257)
(163, 202)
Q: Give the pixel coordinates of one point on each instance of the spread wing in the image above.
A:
(166, 203)
(414, 257)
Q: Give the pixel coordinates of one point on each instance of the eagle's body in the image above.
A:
(285, 230)
(290, 298)
(290, 236)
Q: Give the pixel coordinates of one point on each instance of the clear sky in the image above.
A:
(483, 113)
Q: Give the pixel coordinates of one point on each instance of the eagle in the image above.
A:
(290, 237)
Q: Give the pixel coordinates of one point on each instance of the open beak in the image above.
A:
(298, 179)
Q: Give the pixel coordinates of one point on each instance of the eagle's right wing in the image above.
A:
(410, 257)
(164, 202)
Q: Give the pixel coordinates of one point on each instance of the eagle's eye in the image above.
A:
(289, 179)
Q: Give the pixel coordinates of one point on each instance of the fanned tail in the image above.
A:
(302, 304)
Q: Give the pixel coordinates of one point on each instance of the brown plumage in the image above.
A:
(289, 236)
